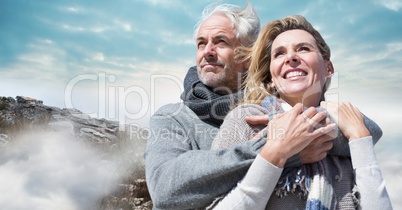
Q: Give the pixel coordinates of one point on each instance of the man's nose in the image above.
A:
(210, 50)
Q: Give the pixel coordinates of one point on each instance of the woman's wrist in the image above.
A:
(363, 132)
(275, 156)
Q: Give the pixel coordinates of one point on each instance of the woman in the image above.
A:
(290, 60)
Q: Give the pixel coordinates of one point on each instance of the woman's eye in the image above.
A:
(277, 54)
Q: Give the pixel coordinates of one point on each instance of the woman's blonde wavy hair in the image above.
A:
(257, 84)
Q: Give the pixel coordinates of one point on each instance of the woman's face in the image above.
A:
(298, 69)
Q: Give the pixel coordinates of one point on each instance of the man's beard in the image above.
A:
(227, 81)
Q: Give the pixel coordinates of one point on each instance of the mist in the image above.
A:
(51, 170)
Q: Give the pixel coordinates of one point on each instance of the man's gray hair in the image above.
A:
(245, 21)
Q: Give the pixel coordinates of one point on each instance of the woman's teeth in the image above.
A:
(295, 74)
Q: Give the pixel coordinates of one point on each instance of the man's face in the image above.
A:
(216, 68)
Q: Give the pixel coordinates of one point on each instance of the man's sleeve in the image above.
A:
(235, 130)
(179, 177)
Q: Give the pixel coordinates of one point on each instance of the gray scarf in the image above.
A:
(209, 106)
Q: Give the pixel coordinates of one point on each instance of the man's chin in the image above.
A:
(213, 69)
(210, 81)
(208, 76)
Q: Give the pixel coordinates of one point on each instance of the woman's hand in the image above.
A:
(348, 118)
(291, 132)
(314, 152)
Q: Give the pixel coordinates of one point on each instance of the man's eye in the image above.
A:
(221, 42)
(200, 44)
(304, 48)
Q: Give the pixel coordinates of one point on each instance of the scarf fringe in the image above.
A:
(296, 181)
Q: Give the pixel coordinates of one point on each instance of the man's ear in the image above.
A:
(246, 64)
(330, 69)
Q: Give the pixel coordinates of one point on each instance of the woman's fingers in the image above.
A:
(323, 130)
(296, 129)
(315, 121)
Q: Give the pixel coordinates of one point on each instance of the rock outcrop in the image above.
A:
(23, 114)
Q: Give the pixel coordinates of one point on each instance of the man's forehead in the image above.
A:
(211, 36)
(216, 26)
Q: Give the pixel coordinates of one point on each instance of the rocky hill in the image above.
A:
(23, 114)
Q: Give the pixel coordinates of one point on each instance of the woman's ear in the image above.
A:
(272, 84)
(330, 69)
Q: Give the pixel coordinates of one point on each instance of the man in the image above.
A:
(181, 170)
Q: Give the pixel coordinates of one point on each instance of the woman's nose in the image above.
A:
(292, 57)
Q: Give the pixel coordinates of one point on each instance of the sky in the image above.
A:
(123, 59)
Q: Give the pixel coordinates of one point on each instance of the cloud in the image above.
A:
(393, 5)
(40, 60)
(171, 38)
(391, 167)
(393, 49)
(73, 9)
(99, 57)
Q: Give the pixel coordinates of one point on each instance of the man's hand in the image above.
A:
(257, 119)
(319, 147)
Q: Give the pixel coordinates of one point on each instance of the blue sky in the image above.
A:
(128, 57)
